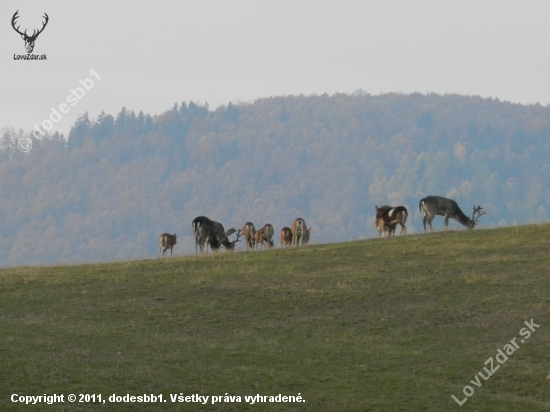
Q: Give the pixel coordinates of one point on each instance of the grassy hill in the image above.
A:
(395, 324)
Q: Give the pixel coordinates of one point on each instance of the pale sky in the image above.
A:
(152, 54)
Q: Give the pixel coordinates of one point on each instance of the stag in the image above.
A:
(226, 243)
(249, 233)
(29, 40)
(286, 236)
(264, 236)
(167, 241)
(432, 206)
(212, 233)
(299, 229)
(391, 216)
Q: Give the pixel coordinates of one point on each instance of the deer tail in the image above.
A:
(405, 215)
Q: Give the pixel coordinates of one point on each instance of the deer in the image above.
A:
(200, 235)
(264, 236)
(212, 233)
(391, 216)
(249, 232)
(167, 241)
(286, 236)
(298, 230)
(305, 239)
(226, 243)
(432, 206)
(383, 229)
(29, 40)
(380, 224)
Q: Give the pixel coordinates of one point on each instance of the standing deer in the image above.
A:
(391, 216)
(286, 236)
(264, 236)
(207, 231)
(432, 206)
(249, 233)
(380, 224)
(200, 235)
(167, 241)
(298, 230)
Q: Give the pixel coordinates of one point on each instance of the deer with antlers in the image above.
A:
(432, 206)
(167, 241)
(207, 232)
(29, 40)
(299, 229)
(391, 217)
(264, 236)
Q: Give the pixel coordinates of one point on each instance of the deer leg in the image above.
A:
(424, 222)
(446, 223)
(430, 223)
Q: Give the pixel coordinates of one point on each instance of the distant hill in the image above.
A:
(117, 182)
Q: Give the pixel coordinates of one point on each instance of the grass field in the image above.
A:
(397, 324)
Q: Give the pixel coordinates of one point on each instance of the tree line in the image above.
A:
(116, 182)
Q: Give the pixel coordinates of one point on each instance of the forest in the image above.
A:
(107, 190)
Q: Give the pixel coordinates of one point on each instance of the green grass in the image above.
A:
(397, 324)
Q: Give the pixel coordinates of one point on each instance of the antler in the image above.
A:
(15, 16)
(43, 25)
(231, 245)
(239, 234)
(230, 232)
(34, 33)
(479, 212)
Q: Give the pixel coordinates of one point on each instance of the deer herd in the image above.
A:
(209, 233)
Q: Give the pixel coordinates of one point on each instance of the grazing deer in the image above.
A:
(383, 229)
(249, 233)
(298, 230)
(226, 243)
(207, 231)
(167, 241)
(286, 236)
(391, 216)
(432, 206)
(264, 236)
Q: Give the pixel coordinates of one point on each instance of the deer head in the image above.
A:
(231, 245)
(29, 40)
(476, 215)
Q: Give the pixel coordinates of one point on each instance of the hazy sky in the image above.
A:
(152, 54)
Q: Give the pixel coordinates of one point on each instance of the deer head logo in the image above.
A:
(29, 40)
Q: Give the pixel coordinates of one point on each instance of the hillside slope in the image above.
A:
(397, 324)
